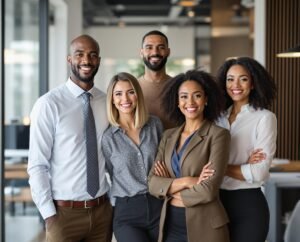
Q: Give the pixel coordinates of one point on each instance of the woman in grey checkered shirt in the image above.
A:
(129, 146)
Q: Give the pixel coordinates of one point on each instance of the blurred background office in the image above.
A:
(35, 36)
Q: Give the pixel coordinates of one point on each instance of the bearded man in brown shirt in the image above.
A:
(155, 52)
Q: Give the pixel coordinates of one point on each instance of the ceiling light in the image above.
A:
(188, 3)
(290, 53)
(191, 13)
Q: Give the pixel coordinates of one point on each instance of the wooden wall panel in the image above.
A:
(282, 33)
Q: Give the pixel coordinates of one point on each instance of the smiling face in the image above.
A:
(155, 52)
(238, 84)
(124, 98)
(192, 100)
(84, 59)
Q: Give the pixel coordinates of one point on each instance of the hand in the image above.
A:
(177, 196)
(50, 220)
(160, 169)
(256, 156)
(205, 173)
(177, 200)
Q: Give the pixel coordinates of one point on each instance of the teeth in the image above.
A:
(236, 91)
(86, 68)
(191, 109)
(155, 59)
(126, 105)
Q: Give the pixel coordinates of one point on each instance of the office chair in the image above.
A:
(292, 232)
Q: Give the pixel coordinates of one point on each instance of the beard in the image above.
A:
(86, 79)
(157, 66)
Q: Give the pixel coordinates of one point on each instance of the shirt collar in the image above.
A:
(114, 129)
(78, 91)
(245, 108)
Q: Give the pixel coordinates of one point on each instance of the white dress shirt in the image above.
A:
(252, 129)
(57, 153)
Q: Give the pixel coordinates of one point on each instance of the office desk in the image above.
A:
(282, 192)
(14, 172)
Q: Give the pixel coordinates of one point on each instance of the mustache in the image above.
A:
(86, 65)
(158, 56)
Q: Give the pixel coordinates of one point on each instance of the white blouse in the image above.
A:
(252, 129)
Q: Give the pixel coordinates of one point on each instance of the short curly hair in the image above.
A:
(264, 88)
(170, 97)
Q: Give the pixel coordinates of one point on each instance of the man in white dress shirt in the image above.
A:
(57, 155)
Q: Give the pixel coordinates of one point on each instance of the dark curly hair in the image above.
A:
(214, 96)
(264, 88)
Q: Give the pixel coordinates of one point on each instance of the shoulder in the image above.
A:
(154, 121)
(50, 98)
(264, 114)
(108, 139)
(167, 133)
(214, 129)
(99, 95)
(154, 125)
(108, 133)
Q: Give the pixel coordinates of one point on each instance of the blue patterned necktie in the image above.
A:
(92, 169)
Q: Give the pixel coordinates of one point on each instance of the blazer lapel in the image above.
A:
(196, 139)
(170, 145)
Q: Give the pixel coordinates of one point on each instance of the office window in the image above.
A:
(21, 59)
(21, 66)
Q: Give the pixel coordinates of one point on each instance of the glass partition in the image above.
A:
(21, 68)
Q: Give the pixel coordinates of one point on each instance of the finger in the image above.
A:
(209, 173)
(256, 151)
(156, 172)
(207, 165)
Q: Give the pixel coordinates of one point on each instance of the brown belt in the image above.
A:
(81, 204)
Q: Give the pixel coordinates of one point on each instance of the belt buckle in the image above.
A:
(85, 204)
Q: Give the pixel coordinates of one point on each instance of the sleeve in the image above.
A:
(266, 134)
(160, 128)
(42, 132)
(106, 150)
(208, 190)
(159, 186)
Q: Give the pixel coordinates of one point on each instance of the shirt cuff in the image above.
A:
(246, 171)
(47, 210)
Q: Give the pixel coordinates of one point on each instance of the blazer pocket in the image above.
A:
(218, 221)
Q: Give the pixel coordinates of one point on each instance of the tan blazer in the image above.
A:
(205, 215)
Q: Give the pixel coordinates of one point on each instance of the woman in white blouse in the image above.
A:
(249, 90)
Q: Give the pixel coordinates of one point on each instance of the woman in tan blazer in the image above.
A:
(192, 211)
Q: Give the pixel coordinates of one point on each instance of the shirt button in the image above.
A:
(139, 154)
(161, 190)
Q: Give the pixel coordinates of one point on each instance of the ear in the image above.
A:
(69, 59)
(141, 53)
(169, 52)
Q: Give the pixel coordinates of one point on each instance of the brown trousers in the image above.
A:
(82, 224)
